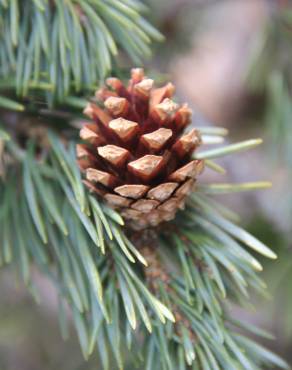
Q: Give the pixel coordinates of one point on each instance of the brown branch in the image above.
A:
(156, 273)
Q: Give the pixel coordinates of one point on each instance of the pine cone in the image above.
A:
(135, 154)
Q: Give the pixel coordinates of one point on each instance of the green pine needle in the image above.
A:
(229, 149)
(232, 188)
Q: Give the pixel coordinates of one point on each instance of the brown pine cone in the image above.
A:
(135, 155)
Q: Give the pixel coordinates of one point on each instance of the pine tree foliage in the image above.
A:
(49, 220)
(160, 306)
(62, 47)
(270, 74)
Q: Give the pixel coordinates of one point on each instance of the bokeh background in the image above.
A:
(231, 60)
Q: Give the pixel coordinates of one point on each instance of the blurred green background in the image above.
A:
(231, 61)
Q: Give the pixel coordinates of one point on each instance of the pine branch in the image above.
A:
(165, 307)
(270, 76)
(78, 51)
(48, 219)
